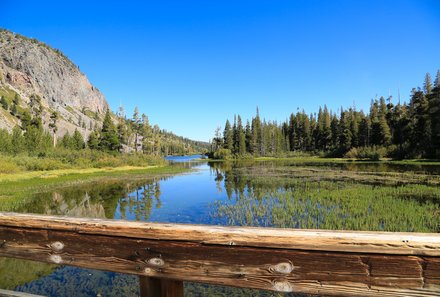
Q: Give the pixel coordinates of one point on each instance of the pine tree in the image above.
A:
(16, 99)
(401, 129)
(345, 135)
(427, 86)
(241, 138)
(14, 110)
(136, 124)
(421, 137)
(67, 141)
(78, 140)
(235, 136)
(122, 127)
(319, 131)
(434, 116)
(25, 120)
(228, 141)
(437, 79)
(334, 126)
(326, 135)
(248, 134)
(17, 140)
(109, 137)
(217, 141)
(157, 140)
(364, 132)
(257, 145)
(4, 103)
(36, 109)
(380, 131)
(35, 140)
(53, 126)
(147, 135)
(93, 141)
(292, 132)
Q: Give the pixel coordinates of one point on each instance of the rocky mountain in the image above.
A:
(35, 78)
(31, 68)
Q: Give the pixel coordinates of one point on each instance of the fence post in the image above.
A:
(156, 287)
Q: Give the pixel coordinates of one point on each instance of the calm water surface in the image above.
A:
(280, 194)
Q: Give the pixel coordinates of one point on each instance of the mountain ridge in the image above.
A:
(31, 69)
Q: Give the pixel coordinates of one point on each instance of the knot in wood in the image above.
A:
(156, 262)
(148, 270)
(283, 267)
(56, 259)
(57, 246)
(282, 286)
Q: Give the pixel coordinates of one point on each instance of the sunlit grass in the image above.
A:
(17, 189)
(326, 197)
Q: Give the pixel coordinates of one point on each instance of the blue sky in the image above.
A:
(189, 65)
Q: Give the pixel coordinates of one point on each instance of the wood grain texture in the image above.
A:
(156, 287)
(395, 243)
(201, 257)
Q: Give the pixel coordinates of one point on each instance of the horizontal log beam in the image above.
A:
(154, 250)
(395, 243)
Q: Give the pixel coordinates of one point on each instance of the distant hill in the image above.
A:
(33, 71)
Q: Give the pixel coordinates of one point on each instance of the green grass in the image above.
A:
(344, 160)
(335, 206)
(17, 189)
(349, 197)
(77, 159)
(318, 159)
(16, 272)
(8, 94)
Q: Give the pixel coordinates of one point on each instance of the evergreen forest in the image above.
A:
(396, 130)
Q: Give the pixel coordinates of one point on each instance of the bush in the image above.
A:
(352, 153)
(374, 153)
(40, 164)
(7, 166)
(223, 154)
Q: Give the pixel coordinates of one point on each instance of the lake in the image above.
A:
(285, 193)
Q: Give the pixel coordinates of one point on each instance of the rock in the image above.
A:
(29, 67)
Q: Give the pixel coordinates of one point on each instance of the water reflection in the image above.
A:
(122, 199)
(365, 196)
(140, 202)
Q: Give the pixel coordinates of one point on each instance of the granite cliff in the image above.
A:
(31, 68)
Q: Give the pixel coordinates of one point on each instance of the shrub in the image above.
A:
(7, 166)
(223, 154)
(40, 164)
(374, 153)
(352, 153)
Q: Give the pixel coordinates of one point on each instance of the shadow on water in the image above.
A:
(281, 194)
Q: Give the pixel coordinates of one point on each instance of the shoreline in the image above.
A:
(17, 188)
(316, 159)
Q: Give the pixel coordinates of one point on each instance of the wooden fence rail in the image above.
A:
(341, 263)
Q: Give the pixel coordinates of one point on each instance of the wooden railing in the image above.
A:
(342, 263)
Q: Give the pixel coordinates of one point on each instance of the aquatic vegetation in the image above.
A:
(330, 198)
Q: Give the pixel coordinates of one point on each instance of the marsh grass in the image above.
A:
(321, 197)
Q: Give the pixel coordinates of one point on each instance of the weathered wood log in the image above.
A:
(316, 262)
(156, 287)
(395, 243)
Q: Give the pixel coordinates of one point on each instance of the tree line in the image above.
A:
(402, 130)
(116, 134)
